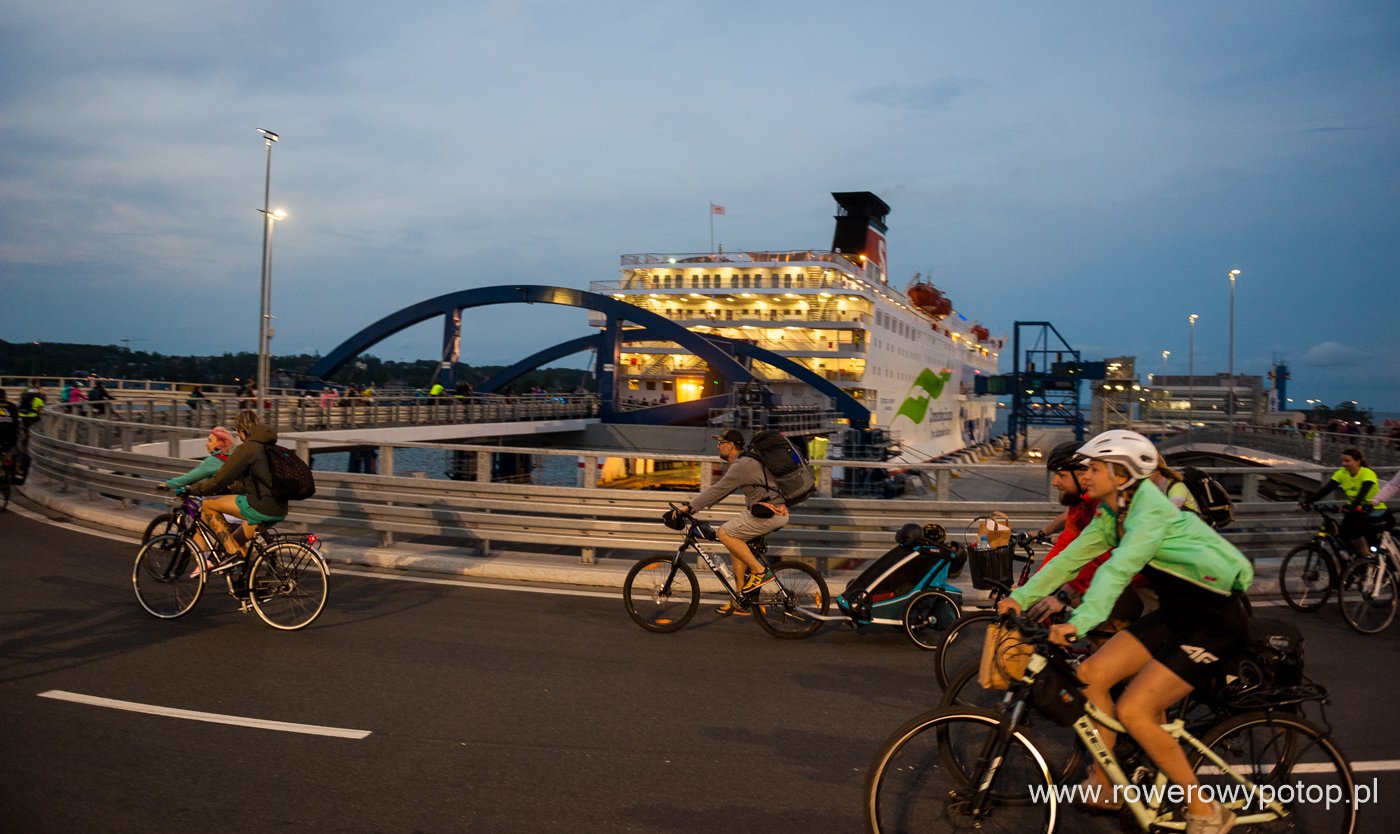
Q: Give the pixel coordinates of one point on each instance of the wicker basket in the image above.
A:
(990, 567)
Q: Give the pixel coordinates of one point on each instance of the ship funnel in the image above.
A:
(860, 231)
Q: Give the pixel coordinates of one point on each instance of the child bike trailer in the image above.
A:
(908, 586)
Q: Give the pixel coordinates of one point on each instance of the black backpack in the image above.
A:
(1217, 509)
(791, 476)
(291, 477)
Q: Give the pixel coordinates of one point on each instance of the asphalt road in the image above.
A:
(486, 710)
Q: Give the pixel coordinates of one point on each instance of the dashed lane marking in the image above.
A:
(211, 717)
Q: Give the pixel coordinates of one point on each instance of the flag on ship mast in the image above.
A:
(714, 209)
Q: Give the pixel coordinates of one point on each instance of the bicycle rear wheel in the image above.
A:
(1366, 594)
(778, 606)
(661, 594)
(962, 645)
(165, 576)
(925, 777)
(1306, 577)
(928, 617)
(288, 585)
(1306, 773)
(166, 522)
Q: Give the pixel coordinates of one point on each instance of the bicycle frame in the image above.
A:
(714, 555)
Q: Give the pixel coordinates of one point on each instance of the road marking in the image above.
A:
(211, 717)
(343, 570)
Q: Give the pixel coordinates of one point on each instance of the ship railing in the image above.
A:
(794, 256)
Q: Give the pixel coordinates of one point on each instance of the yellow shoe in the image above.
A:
(730, 608)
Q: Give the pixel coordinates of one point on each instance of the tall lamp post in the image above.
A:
(264, 312)
(1230, 403)
(1191, 368)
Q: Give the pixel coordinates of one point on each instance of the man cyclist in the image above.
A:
(764, 512)
(9, 424)
(248, 477)
(1201, 580)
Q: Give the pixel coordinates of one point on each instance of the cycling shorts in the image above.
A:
(251, 515)
(1192, 641)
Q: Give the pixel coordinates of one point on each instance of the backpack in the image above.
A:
(291, 477)
(781, 461)
(1217, 509)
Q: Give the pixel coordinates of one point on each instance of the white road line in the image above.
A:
(123, 536)
(347, 570)
(211, 717)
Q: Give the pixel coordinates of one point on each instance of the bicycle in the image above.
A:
(965, 768)
(282, 578)
(7, 466)
(662, 594)
(961, 644)
(1367, 590)
(1309, 572)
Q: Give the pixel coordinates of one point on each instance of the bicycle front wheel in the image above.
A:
(1366, 594)
(781, 607)
(926, 776)
(1306, 577)
(661, 594)
(962, 645)
(928, 616)
(1311, 787)
(166, 576)
(288, 585)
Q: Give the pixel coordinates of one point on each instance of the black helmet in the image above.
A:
(1064, 456)
(673, 519)
(910, 534)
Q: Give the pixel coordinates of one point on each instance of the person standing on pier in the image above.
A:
(764, 513)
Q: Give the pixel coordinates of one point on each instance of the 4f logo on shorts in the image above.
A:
(1199, 655)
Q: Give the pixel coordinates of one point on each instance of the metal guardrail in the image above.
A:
(105, 457)
(1319, 447)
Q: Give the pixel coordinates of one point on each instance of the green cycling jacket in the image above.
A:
(1155, 533)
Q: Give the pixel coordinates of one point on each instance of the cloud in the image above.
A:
(1334, 355)
(936, 95)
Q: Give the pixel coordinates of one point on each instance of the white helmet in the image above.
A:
(1129, 449)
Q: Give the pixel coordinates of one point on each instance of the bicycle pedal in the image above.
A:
(245, 605)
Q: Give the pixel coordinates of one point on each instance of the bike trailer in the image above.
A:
(921, 560)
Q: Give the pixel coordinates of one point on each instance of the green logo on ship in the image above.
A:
(915, 405)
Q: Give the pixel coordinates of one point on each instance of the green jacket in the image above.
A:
(1155, 533)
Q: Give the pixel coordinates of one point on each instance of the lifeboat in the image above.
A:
(928, 299)
(980, 332)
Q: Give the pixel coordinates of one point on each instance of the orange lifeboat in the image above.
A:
(928, 299)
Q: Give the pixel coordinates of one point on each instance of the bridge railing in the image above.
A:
(1317, 446)
(102, 457)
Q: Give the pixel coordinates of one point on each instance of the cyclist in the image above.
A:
(218, 445)
(1360, 484)
(31, 404)
(764, 512)
(1200, 579)
(9, 424)
(1173, 484)
(248, 476)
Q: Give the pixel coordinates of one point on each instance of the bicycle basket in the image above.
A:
(990, 567)
(1057, 693)
(1004, 657)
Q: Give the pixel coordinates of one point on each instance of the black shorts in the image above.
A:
(1192, 641)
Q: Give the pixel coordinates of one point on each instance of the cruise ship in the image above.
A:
(903, 352)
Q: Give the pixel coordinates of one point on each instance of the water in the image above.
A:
(550, 470)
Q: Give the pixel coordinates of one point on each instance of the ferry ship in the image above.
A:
(906, 354)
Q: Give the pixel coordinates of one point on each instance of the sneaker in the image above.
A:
(756, 581)
(1221, 820)
(733, 608)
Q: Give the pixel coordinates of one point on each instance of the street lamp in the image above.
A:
(1191, 368)
(1230, 403)
(264, 313)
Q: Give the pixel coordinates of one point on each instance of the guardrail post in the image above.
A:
(944, 478)
(483, 467)
(588, 555)
(824, 480)
(386, 460)
(1249, 490)
(590, 472)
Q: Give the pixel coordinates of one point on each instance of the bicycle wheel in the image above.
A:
(1307, 775)
(1366, 594)
(962, 645)
(165, 578)
(1306, 577)
(1059, 744)
(919, 781)
(661, 593)
(4, 490)
(166, 522)
(779, 605)
(928, 616)
(288, 585)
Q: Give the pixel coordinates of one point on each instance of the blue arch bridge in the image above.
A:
(727, 358)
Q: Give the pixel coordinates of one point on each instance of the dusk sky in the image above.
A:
(1098, 165)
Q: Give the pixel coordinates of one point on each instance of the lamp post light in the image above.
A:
(1230, 403)
(264, 312)
(1191, 368)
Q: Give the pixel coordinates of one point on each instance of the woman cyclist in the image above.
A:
(248, 476)
(218, 444)
(1360, 484)
(1200, 580)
